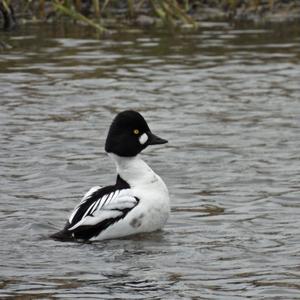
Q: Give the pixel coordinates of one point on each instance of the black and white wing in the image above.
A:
(98, 210)
(84, 199)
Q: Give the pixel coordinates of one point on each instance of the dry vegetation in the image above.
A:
(102, 14)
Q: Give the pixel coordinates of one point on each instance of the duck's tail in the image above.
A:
(63, 236)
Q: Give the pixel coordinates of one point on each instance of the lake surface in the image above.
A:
(228, 100)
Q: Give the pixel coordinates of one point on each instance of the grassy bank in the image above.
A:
(105, 14)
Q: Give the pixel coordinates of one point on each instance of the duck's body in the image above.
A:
(138, 202)
(152, 210)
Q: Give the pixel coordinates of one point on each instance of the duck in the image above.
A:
(139, 200)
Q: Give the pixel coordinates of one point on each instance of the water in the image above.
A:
(226, 98)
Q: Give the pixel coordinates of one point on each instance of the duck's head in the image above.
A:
(129, 134)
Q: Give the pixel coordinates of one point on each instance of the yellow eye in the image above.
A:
(136, 131)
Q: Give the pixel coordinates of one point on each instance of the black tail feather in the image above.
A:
(63, 236)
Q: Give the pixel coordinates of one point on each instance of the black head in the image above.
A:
(129, 134)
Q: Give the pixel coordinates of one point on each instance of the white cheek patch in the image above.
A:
(143, 138)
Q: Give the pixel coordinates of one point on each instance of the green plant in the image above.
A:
(71, 12)
(169, 11)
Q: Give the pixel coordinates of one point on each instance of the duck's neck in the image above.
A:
(131, 169)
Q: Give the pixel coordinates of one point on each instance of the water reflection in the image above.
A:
(226, 98)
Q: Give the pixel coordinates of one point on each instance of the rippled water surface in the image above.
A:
(228, 101)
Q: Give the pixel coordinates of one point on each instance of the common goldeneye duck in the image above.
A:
(138, 202)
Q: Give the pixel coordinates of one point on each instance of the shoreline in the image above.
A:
(280, 12)
(255, 12)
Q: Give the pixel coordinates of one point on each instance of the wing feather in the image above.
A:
(109, 207)
(86, 197)
(90, 193)
(91, 220)
(98, 209)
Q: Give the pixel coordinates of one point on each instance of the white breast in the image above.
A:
(153, 209)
